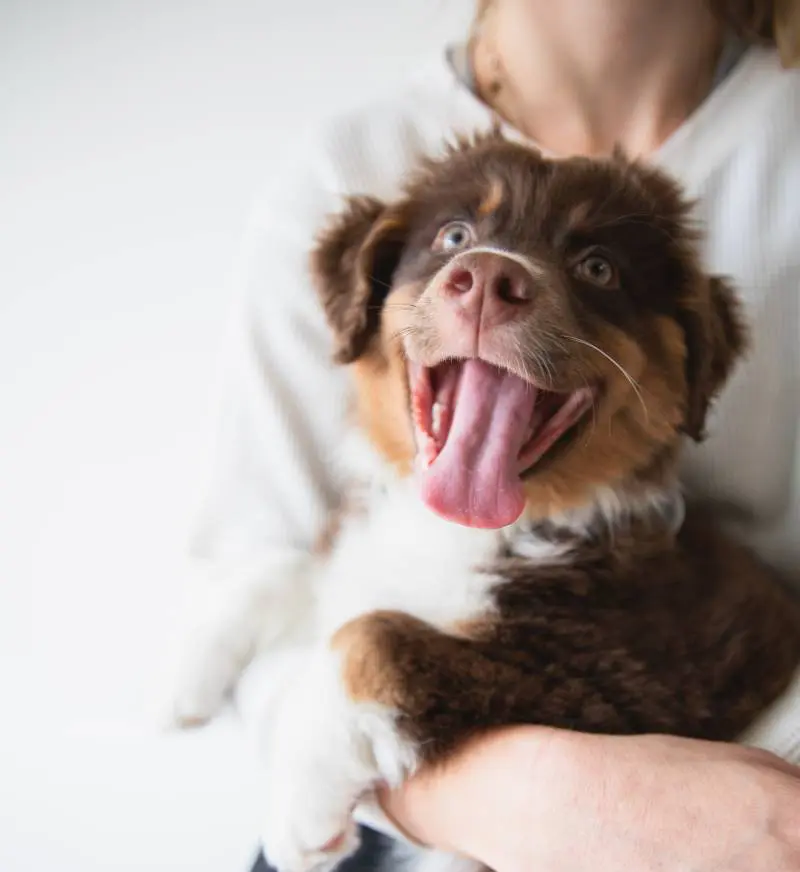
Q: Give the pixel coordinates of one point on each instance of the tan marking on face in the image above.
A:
(494, 197)
(382, 391)
(619, 438)
(578, 214)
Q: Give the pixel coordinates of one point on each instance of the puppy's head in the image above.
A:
(524, 330)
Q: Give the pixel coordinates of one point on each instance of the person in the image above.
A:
(707, 91)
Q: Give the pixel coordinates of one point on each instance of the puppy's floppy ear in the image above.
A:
(353, 263)
(716, 337)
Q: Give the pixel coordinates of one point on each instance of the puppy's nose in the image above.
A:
(488, 286)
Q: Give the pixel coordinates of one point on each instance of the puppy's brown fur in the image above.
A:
(642, 628)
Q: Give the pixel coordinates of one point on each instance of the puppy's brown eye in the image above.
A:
(598, 270)
(453, 237)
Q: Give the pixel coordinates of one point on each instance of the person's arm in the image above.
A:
(280, 413)
(280, 397)
(533, 798)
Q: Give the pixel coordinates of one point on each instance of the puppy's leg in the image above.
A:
(350, 722)
(244, 611)
(324, 751)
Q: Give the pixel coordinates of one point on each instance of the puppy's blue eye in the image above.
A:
(598, 270)
(453, 237)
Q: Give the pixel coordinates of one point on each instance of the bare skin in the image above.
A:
(567, 802)
(579, 77)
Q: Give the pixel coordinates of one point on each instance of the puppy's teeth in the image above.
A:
(436, 418)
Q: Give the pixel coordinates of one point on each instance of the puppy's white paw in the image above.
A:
(324, 753)
(205, 677)
(226, 626)
(317, 765)
(307, 841)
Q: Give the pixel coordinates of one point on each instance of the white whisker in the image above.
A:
(631, 381)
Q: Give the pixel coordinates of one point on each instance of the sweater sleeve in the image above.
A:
(281, 400)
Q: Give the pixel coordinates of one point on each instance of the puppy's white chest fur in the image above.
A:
(401, 556)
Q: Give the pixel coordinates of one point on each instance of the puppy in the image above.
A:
(529, 342)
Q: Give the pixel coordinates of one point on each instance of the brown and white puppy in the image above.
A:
(529, 341)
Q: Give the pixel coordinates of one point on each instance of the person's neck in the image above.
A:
(581, 76)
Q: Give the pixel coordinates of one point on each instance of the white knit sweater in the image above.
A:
(282, 400)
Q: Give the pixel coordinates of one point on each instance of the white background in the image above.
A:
(133, 136)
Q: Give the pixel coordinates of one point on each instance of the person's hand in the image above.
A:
(533, 798)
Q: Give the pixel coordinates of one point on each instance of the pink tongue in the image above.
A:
(475, 480)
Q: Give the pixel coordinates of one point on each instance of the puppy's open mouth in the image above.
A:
(479, 428)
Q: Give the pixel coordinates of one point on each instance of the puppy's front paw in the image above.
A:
(204, 679)
(324, 752)
(227, 626)
(309, 842)
(317, 765)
